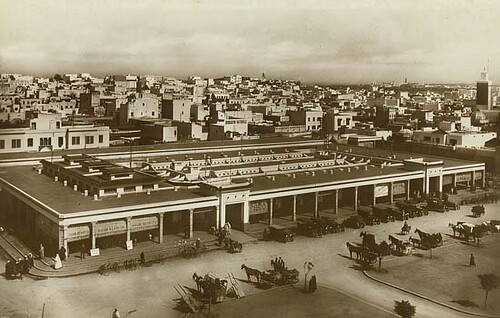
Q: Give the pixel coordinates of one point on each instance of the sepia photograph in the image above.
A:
(250, 159)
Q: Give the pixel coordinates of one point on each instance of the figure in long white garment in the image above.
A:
(57, 262)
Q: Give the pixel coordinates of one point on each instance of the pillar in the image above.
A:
(355, 198)
(271, 211)
(454, 180)
(483, 179)
(473, 182)
(294, 210)
(316, 212)
(217, 216)
(336, 201)
(222, 214)
(425, 185)
(160, 227)
(391, 192)
(440, 185)
(129, 224)
(63, 238)
(93, 224)
(246, 213)
(407, 189)
(374, 197)
(191, 219)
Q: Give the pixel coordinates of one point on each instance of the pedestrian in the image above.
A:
(143, 258)
(150, 236)
(82, 251)
(116, 314)
(57, 262)
(41, 251)
(472, 261)
(135, 241)
(8, 269)
(19, 267)
(31, 260)
(62, 253)
(312, 284)
(26, 265)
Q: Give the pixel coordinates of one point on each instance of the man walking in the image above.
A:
(41, 252)
(472, 261)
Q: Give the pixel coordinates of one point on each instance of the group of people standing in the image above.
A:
(278, 264)
(19, 268)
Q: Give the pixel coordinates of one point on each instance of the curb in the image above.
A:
(428, 299)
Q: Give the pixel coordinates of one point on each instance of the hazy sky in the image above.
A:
(318, 41)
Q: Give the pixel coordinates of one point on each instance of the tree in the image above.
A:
(488, 282)
(404, 308)
(58, 77)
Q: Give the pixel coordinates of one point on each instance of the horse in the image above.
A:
(199, 281)
(251, 272)
(368, 239)
(355, 249)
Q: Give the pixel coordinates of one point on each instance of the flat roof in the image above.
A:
(302, 179)
(65, 201)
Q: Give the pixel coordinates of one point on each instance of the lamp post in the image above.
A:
(308, 266)
(131, 143)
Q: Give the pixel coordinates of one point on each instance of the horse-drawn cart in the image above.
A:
(478, 210)
(283, 277)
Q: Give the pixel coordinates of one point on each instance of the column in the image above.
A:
(271, 211)
(129, 224)
(391, 192)
(191, 219)
(336, 201)
(440, 185)
(407, 189)
(374, 197)
(294, 211)
(425, 185)
(222, 215)
(454, 180)
(217, 216)
(356, 199)
(316, 212)
(246, 212)
(483, 179)
(160, 227)
(63, 238)
(93, 224)
(473, 182)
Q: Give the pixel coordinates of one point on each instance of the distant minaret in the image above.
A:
(406, 80)
(483, 92)
(263, 75)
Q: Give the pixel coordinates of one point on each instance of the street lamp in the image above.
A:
(308, 266)
(131, 143)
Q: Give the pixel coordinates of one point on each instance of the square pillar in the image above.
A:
(128, 228)
(294, 210)
(391, 192)
(483, 179)
(356, 199)
(222, 215)
(473, 182)
(454, 180)
(316, 212)
(374, 197)
(336, 201)
(425, 186)
(271, 211)
(63, 238)
(407, 189)
(217, 216)
(440, 185)
(160, 227)
(191, 219)
(246, 212)
(93, 224)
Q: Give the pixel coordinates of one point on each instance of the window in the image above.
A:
(339, 121)
(33, 126)
(2, 144)
(16, 143)
(45, 141)
(75, 140)
(101, 139)
(58, 124)
(89, 140)
(438, 140)
(61, 141)
(30, 142)
(427, 138)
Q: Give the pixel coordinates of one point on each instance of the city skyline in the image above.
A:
(322, 42)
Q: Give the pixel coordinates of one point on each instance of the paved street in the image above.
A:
(149, 290)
